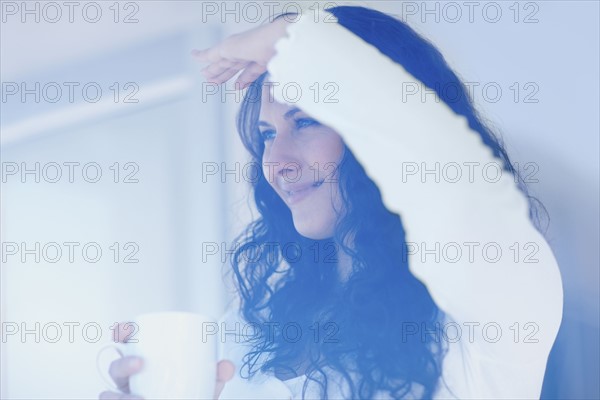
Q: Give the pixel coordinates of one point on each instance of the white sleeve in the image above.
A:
(481, 213)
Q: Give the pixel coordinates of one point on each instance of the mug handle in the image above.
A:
(119, 348)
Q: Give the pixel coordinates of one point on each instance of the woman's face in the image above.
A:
(300, 162)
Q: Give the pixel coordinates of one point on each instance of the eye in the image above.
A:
(305, 123)
(267, 134)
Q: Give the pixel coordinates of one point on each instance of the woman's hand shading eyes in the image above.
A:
(248, 51)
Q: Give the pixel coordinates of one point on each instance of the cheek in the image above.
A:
(326, 168)
(322, 143)
(326, 161)
(318, 218)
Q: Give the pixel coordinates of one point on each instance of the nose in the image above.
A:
(281, 158)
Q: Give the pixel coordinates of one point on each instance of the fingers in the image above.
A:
(218, 68)
(250, 74)
(209, 55)
(225, 76)
(120, 370)
(222, 51)
(225, 371)
(124, 331)
(118, 396)
(222, 71)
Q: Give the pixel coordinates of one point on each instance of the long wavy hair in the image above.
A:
(289, 286)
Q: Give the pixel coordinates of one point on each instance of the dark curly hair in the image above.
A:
(356, 328)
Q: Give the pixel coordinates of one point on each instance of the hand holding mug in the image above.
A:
(178, 364)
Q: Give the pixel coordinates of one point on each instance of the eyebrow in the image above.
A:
(287, 115)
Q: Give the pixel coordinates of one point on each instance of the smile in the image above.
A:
(295, 196)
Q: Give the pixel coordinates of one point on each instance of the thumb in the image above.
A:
(225, 371)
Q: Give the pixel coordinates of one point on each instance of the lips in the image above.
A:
(295, 192)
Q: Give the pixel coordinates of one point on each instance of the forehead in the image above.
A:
(270, 109)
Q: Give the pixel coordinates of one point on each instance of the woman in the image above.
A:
(406, 278)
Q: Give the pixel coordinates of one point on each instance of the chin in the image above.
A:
(312, 230)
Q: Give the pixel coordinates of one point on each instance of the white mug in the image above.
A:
(179, 357)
